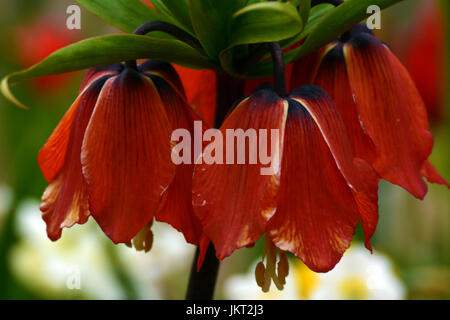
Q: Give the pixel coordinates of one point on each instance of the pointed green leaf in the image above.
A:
(261, 22)
(106, 50)
(175, 12)
(305, 8)
(264, 22)
(315, 16)
(211, 21)
(180, 11)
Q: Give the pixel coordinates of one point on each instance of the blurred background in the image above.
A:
(411, 258)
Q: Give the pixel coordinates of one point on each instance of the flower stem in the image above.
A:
(168, 28)
(202, 283)
(279, 73)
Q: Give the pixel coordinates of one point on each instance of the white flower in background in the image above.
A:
(169, 257)
(359, 275)
(52, 268)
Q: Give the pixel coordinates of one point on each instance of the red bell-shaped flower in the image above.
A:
(308, 199)
(110, 156)
(383, 112)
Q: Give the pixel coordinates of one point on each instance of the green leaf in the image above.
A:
(337, 21)
(180, 11)
(211, 21)
(260, 22)
(305, 8)
(315, 16)
(106, 50)
(175, 13)
(264, 22)
(126, 15)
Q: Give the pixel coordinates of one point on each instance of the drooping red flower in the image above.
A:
(110, 156)
(315, 194)
(381, 107)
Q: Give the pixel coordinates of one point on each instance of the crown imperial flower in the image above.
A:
(336, 118)
(110, 155)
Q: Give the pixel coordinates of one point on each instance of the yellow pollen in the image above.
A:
(272, 271)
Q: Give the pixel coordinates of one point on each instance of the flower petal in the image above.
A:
(234, 201)
(203, 249)
(177, 209)
(360, 177)
(163, 70)
(332, 77)
(430, 172)
(316, 214)
(392, 112)
(96, 73)
(126, 156)
(51, 156)
(65, 201)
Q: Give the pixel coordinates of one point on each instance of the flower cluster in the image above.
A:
(353, 116)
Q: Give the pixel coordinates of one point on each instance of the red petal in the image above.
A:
(177, 209)
(65, 201)
(316, 214)
(360, 177)
(392, 112)
(234, 201)
(96, 73)
(204, 244)
(430, 172)
(126, 156)
(200, 88)
(163, 70)
(332, 77)
(52, 155)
